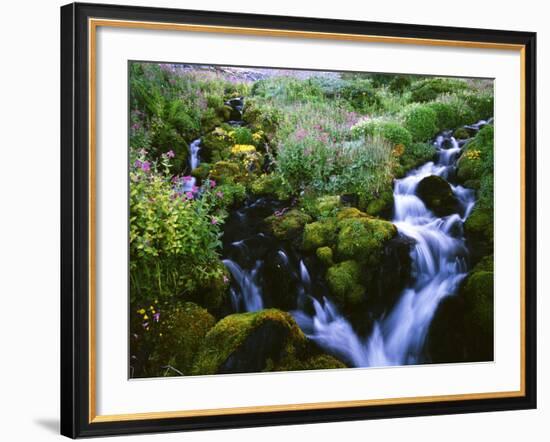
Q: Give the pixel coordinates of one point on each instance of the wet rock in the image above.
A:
(437, 195)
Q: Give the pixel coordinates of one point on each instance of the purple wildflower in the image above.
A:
(170, 154)
(146, 166)
(219, 194)
(189, 195)
(212, 184)
(156, 316)
(214, 221)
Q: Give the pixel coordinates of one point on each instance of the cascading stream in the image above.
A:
(438, 263)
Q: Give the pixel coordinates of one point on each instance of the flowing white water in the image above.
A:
(194, 161)
(438, 258)
(249, 293)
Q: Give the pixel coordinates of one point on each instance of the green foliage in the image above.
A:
(421, 122)
(429, 89)
(477, 158)
(389, 130)
(173, 239)
(242, 135)
(166, 337)
(399, 83)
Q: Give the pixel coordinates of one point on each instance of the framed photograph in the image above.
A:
(275, 220)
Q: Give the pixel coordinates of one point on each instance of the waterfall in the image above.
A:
(249, 293)
(194, 161)
(439, 264)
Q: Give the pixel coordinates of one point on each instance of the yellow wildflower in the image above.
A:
(141, 311)
(242, 148)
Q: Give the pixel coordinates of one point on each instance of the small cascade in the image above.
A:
(439, 264)
(439, 255)
(194, 161)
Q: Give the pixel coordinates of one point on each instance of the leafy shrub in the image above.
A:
(421, 122)
(391, 131)
(242, 135)
(399, 83)
(429, 89)
(174, 236)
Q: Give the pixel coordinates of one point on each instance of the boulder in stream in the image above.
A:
(438, 195)
(267, 340)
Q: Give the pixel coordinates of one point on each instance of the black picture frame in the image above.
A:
(75, 220)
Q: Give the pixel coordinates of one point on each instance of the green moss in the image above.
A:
(216, 145)
(318, 234)
(477, 158)
(201, 171)
(321, 206)
(344, 281)
(461, 134)
(318, 362)
(224, 172)
(325, 255)
(351, 213)
(230, 334)
(479, 224)
(181, 332)
(363, 239)
(479, 309)
(271, 184)
(289, 225)
(382, 204)
(421, 122)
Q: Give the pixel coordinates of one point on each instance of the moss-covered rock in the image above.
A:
(479, 231)
(462, 329)
(363, 238)
(325, 255)
(477, 158)
(318, 362)
(344, 281)
(288, 225)
(381, 205)
(323, 206)
(437, 195)
(216, 145)
(202, 171)
(181, 332)
(225, 172)
(267, 340)
(319, 234)
(479, 312)
(461, 133)
(270, 184)
(412, 157)
(351, 213)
